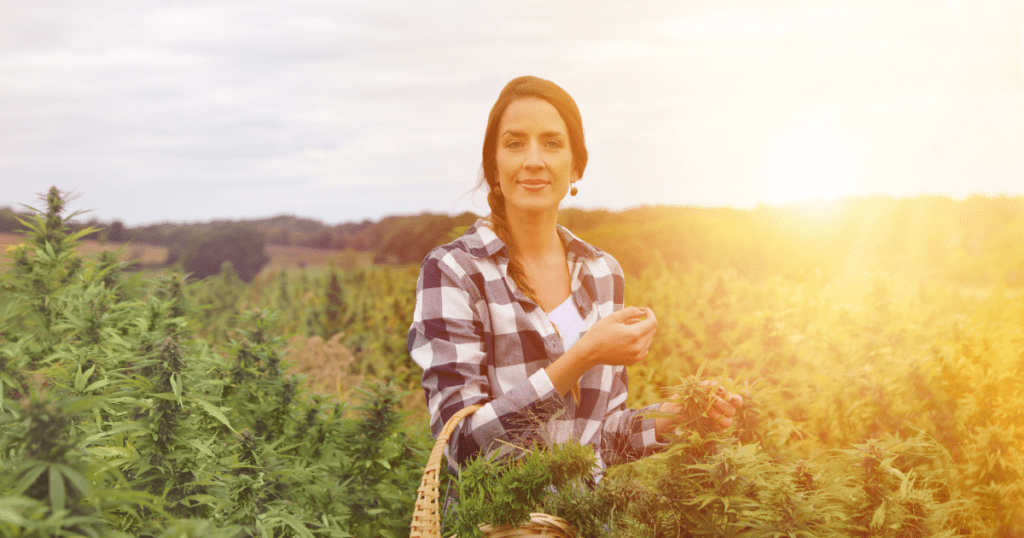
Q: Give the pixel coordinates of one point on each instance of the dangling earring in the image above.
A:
(574, 190)
(497, 190)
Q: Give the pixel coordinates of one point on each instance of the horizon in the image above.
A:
(816, 205)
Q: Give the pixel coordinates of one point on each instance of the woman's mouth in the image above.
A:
(533, 184)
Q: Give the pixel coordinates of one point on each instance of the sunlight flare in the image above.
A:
(816, 158)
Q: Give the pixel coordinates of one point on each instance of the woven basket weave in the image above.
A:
(426, 517)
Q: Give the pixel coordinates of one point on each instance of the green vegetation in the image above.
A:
(118, 421)
(877, 344)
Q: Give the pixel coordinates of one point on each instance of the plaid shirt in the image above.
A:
(481, 340)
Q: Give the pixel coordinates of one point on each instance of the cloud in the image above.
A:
(352, 109)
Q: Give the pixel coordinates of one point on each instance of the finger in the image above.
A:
(650, 315)
(718, 419)
(621, 316)
(723, 407)
(645, 327)
(629, 316)
(735, 400)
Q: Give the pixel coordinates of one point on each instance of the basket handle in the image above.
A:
(426, 517)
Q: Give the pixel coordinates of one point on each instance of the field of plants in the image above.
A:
(879, 403)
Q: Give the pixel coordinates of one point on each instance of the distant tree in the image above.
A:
(177, 242)
(9, 221)
(116, 232)
(322, 240)
(410, 239)
(97, 229)
(154, 234)
(241, 245)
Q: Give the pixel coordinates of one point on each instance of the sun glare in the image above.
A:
(814, 159)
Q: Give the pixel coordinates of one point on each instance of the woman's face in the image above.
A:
(533, 156)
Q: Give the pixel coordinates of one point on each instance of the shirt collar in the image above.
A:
(481, 242)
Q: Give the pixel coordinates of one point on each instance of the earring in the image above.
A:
(574, 190)
(497, 190)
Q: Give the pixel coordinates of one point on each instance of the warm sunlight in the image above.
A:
(815, 158)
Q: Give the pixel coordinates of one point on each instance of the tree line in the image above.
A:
(977, 241)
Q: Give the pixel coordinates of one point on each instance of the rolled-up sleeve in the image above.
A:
(629, 434)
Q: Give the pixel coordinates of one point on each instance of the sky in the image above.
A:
(345, 110)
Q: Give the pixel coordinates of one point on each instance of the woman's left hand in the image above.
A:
(723, 407)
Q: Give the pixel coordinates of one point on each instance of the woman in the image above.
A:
(520, 315)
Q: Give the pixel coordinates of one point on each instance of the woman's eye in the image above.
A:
(513, 144)
(553, 144)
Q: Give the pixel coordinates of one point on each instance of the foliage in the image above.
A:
(366, 310)
(501, 492)
(708, 483)
(116, 420)
(878, 350)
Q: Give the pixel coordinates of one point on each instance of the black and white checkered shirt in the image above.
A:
(479, 339)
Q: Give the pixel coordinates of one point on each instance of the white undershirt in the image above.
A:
(566, 318)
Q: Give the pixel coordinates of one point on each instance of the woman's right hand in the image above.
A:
(622, 338)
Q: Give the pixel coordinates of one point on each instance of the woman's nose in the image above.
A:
(533, 157)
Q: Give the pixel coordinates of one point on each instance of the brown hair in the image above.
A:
(519, 88)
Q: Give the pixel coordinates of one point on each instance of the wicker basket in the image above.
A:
(426, 518)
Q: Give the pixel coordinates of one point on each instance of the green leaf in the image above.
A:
(201, 447)
(30, 478)
(81, 378)
(78, 481)
(295, 524)
(204, 499)
(58, 497)
(215, 412)
(176, 387)
(97, 385)
(12, 506)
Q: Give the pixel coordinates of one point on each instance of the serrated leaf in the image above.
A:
(201, 447)
(29, 478)
(905, 486)
(109, 451)
(295, 524)
(878, 519)
(78, 481)
(97, 385)
(176, 387)
(203, 498)
(214, 412)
